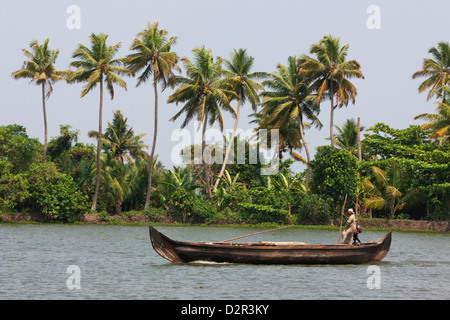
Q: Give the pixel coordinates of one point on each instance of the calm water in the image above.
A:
(118, 262)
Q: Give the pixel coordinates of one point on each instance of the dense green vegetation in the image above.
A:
(385, 172)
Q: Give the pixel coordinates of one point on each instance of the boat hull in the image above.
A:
(268, 252)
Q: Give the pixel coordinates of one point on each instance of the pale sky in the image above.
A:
(269, 30)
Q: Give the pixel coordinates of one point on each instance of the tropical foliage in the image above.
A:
(41, 70)
(203, 96)
(436, 69)
(387, 172)
(439, 122)
(329, 74)
(288, 99)
(152, 55)
(242, 82)
(95, 66)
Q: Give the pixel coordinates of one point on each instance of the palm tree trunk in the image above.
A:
(205, 165)
(150, 163)
(308, 158)
(118, 207)
(392, 212)
(222, 170)
(332, 116)
(359, 139)
(99, 145)
(44, 155)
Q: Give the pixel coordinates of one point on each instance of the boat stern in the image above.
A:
(385, 245)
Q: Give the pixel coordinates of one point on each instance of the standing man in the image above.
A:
(350, 228)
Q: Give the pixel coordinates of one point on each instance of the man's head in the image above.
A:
(350, 211)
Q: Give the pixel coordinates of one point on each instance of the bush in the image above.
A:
(265, 206)
(229, 216)
(334, 174)
(260, 213)
(156, 214)
(53, 194)
(312, 209)
(13, 191)
(202, 211)
(191, 207)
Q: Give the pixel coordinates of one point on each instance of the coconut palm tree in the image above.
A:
(153, 57)
(437, 69)
(96, 65)
(328, 74)
(119, 139)
(289, 138)
(241, 81)
(347, 136)
(288, 98)
(41, 70)
(439, 122)
(203, 96)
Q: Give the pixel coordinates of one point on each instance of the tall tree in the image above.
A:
(329, 74)
(203, 96)
(96, 65)
(439, 122)
(436, 69)
(242, 81)
(152, 55)
(41, 70)
(288, 98)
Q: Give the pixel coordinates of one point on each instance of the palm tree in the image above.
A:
(241, 81)
(287, 99)
(329, 74)
(436, 69)
(117, 179)
(286, 186)
(203, 96)
(347, 137)
(119, 139)
(95, 66)
(386, 192)
(288, 134)
(41, 70)
(153, 56)
(439, 122)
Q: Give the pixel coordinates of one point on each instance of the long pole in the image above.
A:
(342, 217)
(251, 234)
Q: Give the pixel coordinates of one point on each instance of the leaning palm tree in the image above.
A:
(439, 122)
(329, 74)
(153, 56)
(41, 70)
(96, 65)
(241, 81)
(203, 96)
(436, 69)
(288, 98)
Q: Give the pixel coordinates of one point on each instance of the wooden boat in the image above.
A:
(268, 252)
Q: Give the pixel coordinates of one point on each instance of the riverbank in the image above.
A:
(382, 224)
